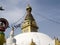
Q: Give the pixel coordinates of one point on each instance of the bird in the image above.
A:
(1, 8)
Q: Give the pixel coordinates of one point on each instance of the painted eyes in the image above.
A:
(2, 24)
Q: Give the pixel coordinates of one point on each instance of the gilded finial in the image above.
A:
(28, 8)
(32, 43)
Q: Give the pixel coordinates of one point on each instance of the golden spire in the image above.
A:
(28, 8)
(29, 24)
(32, 43)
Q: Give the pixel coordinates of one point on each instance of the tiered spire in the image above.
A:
(29, 24)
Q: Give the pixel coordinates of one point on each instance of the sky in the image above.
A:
(45, 12)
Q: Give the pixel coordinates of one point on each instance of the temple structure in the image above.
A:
(29, 35)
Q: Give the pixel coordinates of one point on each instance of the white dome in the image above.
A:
(38, 38)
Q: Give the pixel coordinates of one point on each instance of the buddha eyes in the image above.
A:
(2, 24)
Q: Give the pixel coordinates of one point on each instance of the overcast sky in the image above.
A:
(45, 12)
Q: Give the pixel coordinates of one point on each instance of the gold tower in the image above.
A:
(29, 24)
